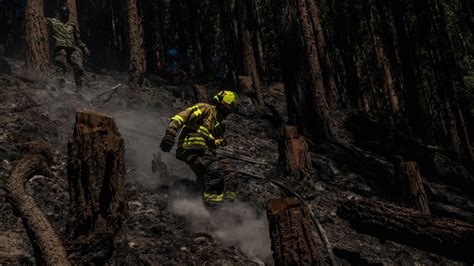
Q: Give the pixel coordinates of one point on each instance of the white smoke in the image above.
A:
(142, 132)
(236, 224)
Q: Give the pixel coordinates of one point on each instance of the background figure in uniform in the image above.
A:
(68, 46)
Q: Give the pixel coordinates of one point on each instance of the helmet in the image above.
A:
(64, 13)
(227, 99)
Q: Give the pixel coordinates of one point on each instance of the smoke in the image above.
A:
(236, 224)
(142, 132)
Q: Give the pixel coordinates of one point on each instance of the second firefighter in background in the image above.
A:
(202, 132)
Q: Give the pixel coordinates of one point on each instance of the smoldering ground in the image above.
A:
(237, 224)
(142, 126)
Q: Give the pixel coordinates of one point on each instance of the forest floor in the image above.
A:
(167, 223)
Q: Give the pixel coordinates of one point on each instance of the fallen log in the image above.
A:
(96, 175)
(447, 237)
(292, 233)
(35, 160)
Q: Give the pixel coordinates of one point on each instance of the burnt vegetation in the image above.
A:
(353, 136)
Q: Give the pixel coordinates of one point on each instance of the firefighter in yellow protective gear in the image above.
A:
(202, 132)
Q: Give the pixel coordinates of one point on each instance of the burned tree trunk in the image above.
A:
(292, 233)
(410, 185)
(137, 59)
(71, 4)
(326, 64)
(304, 86)
(449, 237)
(96, 174)
(37, 53)
(35, 160)
(248, 55)
(383, 62)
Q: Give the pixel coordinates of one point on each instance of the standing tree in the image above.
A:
(71, 4)
(304, 86)
(246, 46)
(37, 53)
(137, 64)
(383, 62)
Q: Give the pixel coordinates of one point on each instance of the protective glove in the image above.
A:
(167, 142)
(219, 142)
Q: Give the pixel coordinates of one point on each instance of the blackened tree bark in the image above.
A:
(152, 23)
(383, 62)
(326, 64)
(96, 175)
(304, 86)
(248, 55)
(255, 28)
(292, 232)
(410, 185)
(73, 11)
(448, 72)
(294, 159)
(449, 237)
(137, 67)
(37, 52)
(232, 52)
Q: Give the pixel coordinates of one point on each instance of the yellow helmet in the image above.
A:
(228, 99)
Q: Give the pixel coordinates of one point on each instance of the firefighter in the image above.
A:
(202, 132)
(68, 46)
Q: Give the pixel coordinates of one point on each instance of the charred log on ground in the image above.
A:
(46, 243)
(448, 237)
(96, 173)
(292, 232)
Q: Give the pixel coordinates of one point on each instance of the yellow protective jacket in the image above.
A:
(201, 128)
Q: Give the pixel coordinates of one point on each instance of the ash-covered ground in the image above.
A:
(167, 223)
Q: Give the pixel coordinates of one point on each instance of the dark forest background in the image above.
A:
(407, 65)
(369, 102)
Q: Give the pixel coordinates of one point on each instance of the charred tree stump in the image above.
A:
(96, 174)
(448, 237)
(200, 93)
(292, 233)
(410, 185)
(73, 11)
(294, 156)
(36, 160)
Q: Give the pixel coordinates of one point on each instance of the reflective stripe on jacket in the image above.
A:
(201, 127)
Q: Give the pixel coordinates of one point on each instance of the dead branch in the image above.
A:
(240, 157)
(111, 92)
